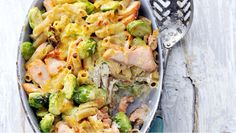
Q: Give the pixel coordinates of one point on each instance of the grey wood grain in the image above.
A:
(209, 51)
(12, 14)
(177, 95)
(200, 87)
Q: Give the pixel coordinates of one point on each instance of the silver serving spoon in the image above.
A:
(174, 19)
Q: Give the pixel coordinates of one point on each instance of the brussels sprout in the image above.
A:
(87, 48)
(84, 94)
(75, 96)
(123, 122)
(27, 50)
(35, 17)
(138, 41)
(46, 123)
(41, 112)
(89, 7)
(56, 103)
(139, 28)
(38, 99)
(69, 85)
(112, 5)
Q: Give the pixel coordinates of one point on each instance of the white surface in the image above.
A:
(200, 87)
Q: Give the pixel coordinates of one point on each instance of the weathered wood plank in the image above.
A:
(177, 96)
(211, 55)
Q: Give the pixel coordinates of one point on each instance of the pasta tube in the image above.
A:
(40, 52)
(30, 88)
(85, 113)
(153, 80)
(27, 77)
(83, 77)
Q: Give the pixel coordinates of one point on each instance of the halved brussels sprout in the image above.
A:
(69, 85)
(123, 122)
(89, 7)
(112, 5)
(87, 48)
(138, 41)
(27, 50)
(56, 103)
(84, 94)
(35, 17)
(139, 28)
(38, 99)
(46, 123)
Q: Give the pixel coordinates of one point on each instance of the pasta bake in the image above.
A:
(87, 62)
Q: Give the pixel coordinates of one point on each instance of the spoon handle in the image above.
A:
(157, 123)
(166, 54)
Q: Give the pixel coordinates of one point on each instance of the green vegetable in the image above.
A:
(123, 122)
(38, 99)
(137, 89)
(42, 112)
(84, 94)
(138, 41)
(56, 103)
(35, 17)
(69, 85)
(87, 48)
(139, 28)
(27, 50)
(89, 7)
(75, 96)
(46, 123)
(112, 5)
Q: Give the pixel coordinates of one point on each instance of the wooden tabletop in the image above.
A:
(199, 93)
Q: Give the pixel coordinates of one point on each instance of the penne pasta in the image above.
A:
(153, 79)
(41, 27)
(30, 88)
(40, 40)
(40, 53)
(88, 105)
(110, 30)
(125, 3)
(27, 77)
(86, 127)
(131, 9)
(76, 63)
(96, 124)
(85, 113)
(83, 77)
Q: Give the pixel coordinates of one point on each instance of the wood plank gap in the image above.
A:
(195, 89)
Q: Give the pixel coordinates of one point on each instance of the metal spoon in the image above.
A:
(174, 19)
